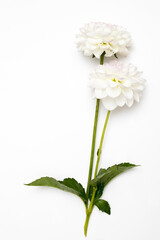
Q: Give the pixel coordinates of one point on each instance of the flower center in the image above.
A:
(117, 81)
(104, 44)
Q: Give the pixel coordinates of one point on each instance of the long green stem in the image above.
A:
(93, 145)
(94, 135)
(90, 209)
(101, 142)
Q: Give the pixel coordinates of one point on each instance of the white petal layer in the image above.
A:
(96, 38)
(117, 84)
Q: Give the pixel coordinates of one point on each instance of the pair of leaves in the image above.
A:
(103, 178)
(68, 185)
(71, 185)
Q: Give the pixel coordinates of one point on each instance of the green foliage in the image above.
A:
(98, 152)
(68, 185)
(103, 178)
(106, 175)
(99, 191)
(103, 206)
(115, 55)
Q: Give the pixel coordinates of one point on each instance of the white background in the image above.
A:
(46, 120)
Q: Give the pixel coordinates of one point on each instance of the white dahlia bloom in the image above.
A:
(96, 38)
(117, 84)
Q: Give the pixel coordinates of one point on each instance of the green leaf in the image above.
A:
(115, 55)
(68, 185)
(103, 206)
(106, 175)
(93, 56)
(98, 152)
(99, 192)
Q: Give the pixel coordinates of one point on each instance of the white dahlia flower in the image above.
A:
(96, 38)
(117, 84)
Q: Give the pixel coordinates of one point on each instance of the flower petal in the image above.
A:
(120, 100)
(109, 103)
(127, 92)
(113, 92)
(129, 102)
(100, 93)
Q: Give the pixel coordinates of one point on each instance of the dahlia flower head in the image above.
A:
(117, 84)
(96, 38)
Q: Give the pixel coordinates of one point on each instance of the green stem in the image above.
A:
(88, 213)
(90, 209)
(93, 145)
(101, 142)
(94, 135)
